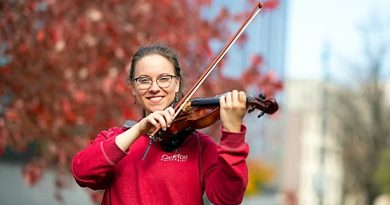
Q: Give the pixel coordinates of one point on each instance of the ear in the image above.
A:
(132, 89)
(177, 85)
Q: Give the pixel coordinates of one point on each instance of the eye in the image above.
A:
(164, 78)
(144, 80)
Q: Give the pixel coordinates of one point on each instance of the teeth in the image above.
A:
(155, 99)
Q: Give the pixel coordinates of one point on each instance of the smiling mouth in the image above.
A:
(155, 99)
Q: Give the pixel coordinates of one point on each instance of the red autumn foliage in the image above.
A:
(63, 66)
(268, 5)
(271, 4)
(32, 172)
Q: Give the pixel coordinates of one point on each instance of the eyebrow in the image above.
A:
(163, 74)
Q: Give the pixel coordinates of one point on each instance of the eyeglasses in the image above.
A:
(145, 82)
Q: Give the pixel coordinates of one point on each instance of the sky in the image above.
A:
(313, 25)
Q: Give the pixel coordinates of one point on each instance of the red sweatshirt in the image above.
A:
(180, 177)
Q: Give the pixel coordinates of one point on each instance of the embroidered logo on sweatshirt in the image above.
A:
(174, 157)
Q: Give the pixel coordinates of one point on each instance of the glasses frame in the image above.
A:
(136, 80)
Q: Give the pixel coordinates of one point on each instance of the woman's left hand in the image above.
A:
(232, 110)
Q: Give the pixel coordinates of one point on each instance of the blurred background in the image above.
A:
(63, 69)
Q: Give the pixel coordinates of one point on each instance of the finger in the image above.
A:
(160, 119)
(171, 111)
(222, 101)
(152, 121)
(229, 102)
(168, 117)
(235, 101)
(242, 97)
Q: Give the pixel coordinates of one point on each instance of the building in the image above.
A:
(311, 169)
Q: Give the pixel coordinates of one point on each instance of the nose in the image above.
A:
(154, 86)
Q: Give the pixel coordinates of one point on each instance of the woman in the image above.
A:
(133, 169)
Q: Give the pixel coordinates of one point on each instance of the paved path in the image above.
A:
(13, 191)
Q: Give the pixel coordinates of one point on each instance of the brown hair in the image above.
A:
(159, 49)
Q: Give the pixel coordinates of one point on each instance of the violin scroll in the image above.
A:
(268, 106)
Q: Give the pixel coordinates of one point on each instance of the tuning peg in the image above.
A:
(262, 96)
(261, 114)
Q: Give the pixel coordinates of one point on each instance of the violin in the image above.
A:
(191, 114)
(203, 112)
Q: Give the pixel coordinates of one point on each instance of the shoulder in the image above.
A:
(114, 131)
(111, 132)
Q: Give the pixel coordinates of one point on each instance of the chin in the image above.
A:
(153, 108)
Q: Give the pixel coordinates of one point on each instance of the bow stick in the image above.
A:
(212, 66)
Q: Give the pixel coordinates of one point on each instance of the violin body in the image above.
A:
(187, 121)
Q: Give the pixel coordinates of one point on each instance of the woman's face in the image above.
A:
(154, 68)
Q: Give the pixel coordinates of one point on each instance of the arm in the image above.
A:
(92, 167)
(226, 179)
(225, 170)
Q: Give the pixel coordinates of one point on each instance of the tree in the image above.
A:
(362, 123)
(63, 66)
(382, 174)
(259, 176)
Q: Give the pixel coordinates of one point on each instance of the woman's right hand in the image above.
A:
(157, 119)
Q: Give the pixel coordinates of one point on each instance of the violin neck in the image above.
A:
(199, 102)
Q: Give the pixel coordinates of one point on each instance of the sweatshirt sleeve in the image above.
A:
(93, 166)
(225, 169)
